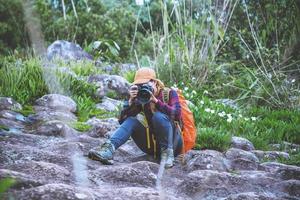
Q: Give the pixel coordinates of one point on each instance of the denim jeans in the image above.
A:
(164, 130)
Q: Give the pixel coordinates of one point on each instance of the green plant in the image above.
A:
(81, 126)
(105, 50)
(5, 184)
(210, 138)
(22, 80)
(129, 76)
(26, 110)
(85, 105)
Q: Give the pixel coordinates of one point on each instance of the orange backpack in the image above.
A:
(188, 128)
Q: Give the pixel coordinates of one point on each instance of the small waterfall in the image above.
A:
(160, 174)
(33, 26)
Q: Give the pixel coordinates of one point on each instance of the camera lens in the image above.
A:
(144, 93)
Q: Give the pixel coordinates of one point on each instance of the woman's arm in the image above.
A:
(172, 108)
(129, 110)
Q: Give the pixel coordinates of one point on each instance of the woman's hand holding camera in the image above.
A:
(133, 90)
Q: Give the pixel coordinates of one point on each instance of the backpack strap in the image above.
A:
(166, 95)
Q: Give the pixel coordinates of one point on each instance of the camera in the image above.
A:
(144, 93)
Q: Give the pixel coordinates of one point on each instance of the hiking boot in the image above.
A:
(168, 156)
(103, 154)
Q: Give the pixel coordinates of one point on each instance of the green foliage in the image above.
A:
(81, 126)
(129, 76)
(4, 128)
(85, 105)
(12, 26)
(262, 126)
(210, 138)
(105, 50)
(5, 184)
(22, 80)
(294, 159)
(95, 22)
(26, 110)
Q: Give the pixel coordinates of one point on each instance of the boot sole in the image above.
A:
(102, 160)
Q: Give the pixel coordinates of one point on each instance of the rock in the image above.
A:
(8, 123)
(228, 102)
(291, 187)
(242, 160)
(47, 114)
(141, 173)
(109, 104)
(57, 102)
(68, 192)
(7, 103)
(23, 180)
(207, 159)
(286, 146)
(67, 51)
(251, 196)
(271, 155)
(106, 83)
(12, 115)
(242, 143)
(286, 172)
(211, 184)
(55, 128)
(102, 127)
(45, 171)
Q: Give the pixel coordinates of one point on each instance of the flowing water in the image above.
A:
(160, 174)
(33, 26)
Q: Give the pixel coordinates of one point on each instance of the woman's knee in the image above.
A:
(159, 117)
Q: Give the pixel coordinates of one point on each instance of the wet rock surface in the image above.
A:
(48, 160)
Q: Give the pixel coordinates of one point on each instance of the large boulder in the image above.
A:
(206, 160)
(136, 174)
(67, 51)
(106, 83)
(55, 128)
(242, 160)
(63, 191)
(109, 104)
(211, 184)
(271, 155)
(241, 143)
(102, 127)
(47, 114)
(285, 172)
(57, 102)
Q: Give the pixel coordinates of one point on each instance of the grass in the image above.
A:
(81, 126)
(262, 126)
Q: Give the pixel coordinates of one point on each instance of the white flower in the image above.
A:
(194, 92)
(253, 118)
(193, 78)
(222, 114)
(205, 92)
(202, 102)
(293, 80)
(186, 88)
(139, 2)
(212, 111)
(207, 109)
(229, 120)
(240, 115)
(229, 116)
(246, 119)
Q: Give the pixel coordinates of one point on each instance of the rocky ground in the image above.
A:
(48, 160)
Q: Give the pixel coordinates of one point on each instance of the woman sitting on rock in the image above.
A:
(148, 120)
